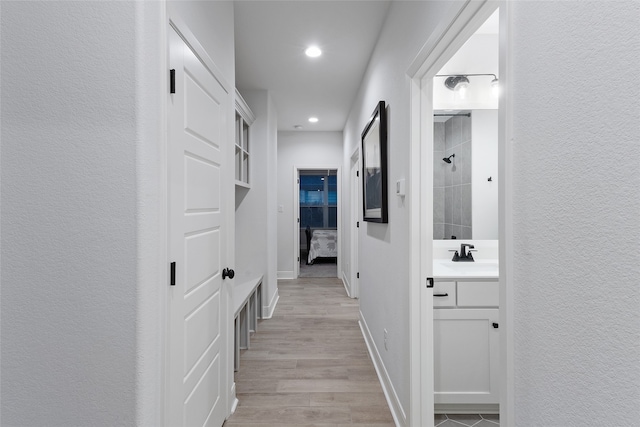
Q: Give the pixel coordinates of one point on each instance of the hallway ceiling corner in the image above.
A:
(270, 40)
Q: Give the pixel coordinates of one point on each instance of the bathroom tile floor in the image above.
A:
(468, 420)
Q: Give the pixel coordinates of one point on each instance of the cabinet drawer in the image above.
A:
(478, 294)
(444, 294)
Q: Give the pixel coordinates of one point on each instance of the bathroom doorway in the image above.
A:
(464, 21)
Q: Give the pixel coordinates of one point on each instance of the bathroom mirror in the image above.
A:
(465, 174)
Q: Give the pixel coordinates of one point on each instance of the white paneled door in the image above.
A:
(197, 123)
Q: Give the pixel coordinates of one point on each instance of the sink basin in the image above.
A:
(480, 269)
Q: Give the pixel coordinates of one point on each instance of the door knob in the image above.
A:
(227, 272)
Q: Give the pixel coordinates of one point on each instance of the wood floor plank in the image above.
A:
(275, 399)
(293, 415)
(340, 386)
(370, 414)
(308, 365)
(347, 399)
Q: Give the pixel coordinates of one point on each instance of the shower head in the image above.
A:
(448, 159)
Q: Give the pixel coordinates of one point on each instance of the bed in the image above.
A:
(323, 244)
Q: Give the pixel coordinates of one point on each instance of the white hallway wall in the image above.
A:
(308, 150)
(384, 248)
(68, 214)
(83, 267)
(256, 221)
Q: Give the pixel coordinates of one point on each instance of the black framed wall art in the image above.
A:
(374, 166)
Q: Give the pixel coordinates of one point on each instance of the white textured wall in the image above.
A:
(384, 248)
(69, 250)
(256, 223)
(576, 197)
(308, 150)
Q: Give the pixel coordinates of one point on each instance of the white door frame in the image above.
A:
(354, 217)
(460, 23)
(296, 215)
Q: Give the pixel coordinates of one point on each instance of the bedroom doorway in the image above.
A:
(318, 222)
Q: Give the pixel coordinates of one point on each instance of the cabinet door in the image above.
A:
(466, 356)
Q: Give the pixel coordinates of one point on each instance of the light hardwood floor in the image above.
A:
(309, 365)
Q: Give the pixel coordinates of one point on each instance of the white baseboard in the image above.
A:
(285, 275)
(399, 416)
(347, 285)
(267, 310)
(463, 408)
(234, 400)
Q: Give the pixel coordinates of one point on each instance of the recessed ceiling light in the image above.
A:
(313, 120)
(313, 51)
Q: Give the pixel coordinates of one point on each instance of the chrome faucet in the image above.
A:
(464, 255)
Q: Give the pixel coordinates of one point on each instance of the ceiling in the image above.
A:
(270, 40)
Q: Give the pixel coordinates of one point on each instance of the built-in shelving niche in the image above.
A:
(244, 120)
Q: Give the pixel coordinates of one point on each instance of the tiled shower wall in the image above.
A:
(452, 182)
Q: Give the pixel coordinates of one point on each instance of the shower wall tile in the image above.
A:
(456, 169)
(465, 129)
(448, 205)
(456, 230)
(466, 233)
(438, 231)
(438, 136)
(465, 205)
(448, 231)
(448, 168)
(452, 202)
(456, 130)
(439, 168)
(438, 204)
(457, 206)
(464, 166)
(448, 131)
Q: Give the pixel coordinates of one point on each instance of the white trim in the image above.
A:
(453, 31)
(268, 310)
(234, 401)
(505, 213)
(190, 39)
(398, 413)
(243, 109)
(354, 217)
(152, 61)
(285, 275)
(347, 285)
(296, 222)
(421, 305)
(460, 22)
(456, 408)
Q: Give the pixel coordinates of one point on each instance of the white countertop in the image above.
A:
(486, 269)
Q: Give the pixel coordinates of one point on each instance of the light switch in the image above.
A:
(400, 187)
(280, 208)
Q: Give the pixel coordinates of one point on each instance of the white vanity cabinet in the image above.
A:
(466, 342)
